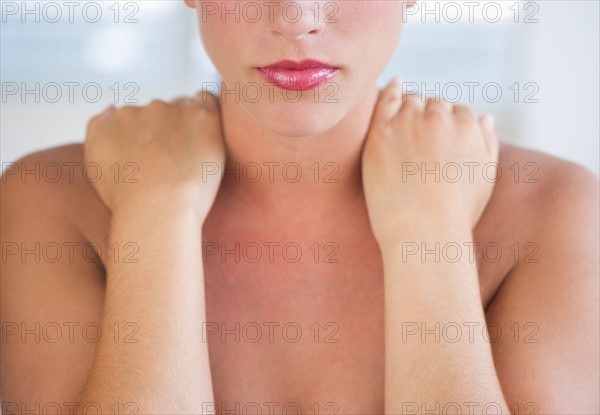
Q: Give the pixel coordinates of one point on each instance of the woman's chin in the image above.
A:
(297, 120)
(296, 126)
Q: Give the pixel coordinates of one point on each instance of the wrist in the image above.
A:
(422, 235)
(432, 259)
(162, 204)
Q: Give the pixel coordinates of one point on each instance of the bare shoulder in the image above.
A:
(539, 201)
(550, 295)
(526, 166)
(52, 282)
(54, 188)
(535, 189)
(56, 168)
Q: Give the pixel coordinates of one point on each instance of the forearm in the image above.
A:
(425, 368)
(167, 369)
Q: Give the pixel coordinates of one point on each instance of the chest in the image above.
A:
(295, 320)
(294, 325)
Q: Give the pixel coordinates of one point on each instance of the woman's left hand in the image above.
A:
(426, 166)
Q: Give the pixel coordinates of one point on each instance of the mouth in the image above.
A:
(298, 76)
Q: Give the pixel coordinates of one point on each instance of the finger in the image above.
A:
(206, 98)
(106, 113)
(438, 104)
(95, 122)
(463, 112)
(390, 101)
(182, 100)
(412, 103)
(492, 143)
(103, 116)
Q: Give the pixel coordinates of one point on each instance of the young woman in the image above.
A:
(349, 253)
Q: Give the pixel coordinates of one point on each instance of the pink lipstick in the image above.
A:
(298, 76)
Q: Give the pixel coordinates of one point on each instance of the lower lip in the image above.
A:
(298, 80)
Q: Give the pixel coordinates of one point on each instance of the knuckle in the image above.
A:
(127, 111)
(463, 111)
(206, 99)
(412, 100)
(437, 115)
(157, 105)
(465, 119)
(97, 120)
(461, 118)
(390, 95)
(207, 107)
(203, 110)
(434, 102)
(94, 121)
(405, 115)
(443, 101)
(180, 100)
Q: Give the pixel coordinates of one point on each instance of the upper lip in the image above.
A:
(298, 66)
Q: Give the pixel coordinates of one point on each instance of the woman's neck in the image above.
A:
(262, 167)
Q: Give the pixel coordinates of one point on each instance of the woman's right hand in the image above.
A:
(159, 150)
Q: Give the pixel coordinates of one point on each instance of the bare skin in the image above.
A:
(542, 292)
(349, 293)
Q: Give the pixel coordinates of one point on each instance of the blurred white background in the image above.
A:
(62, 64)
